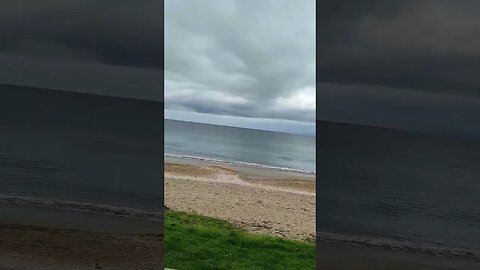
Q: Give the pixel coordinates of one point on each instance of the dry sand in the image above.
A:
(262, 201)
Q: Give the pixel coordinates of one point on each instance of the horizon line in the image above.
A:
(249, 128)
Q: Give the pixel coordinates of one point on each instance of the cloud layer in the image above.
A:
(120, 32)
(109, 47)
(241, 58)
(405, 63)
(427, 45)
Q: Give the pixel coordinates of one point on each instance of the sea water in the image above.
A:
(398, 190)
(81, 152)
(240, 146)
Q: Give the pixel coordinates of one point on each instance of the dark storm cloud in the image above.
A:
(425, 45)
(407, 109)
(103, 47)
(241, 58)
(120, 32)
(82, 76)
(400, 64)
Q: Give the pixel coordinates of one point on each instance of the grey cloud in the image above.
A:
(406, 109)
(240, 57)
(85, 77)
(400, 64)
(295, 127)
(121, 32)
(424, 45)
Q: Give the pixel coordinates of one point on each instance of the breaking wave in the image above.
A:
(83, 207)
(239, 163)
(471, 253)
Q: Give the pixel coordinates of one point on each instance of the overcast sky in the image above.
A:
(108, 47)
(247, 59)
(241, 58)
(409, 64)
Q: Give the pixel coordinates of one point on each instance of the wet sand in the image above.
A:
(44, 238)
(346, 257)
(262, 201)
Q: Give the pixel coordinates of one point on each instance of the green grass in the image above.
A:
(198, 242)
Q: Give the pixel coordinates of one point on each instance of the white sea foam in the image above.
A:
(239, 163)
(471, 253)
(83, 207)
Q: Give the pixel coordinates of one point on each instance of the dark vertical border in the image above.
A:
(162, 55)
(317, 131)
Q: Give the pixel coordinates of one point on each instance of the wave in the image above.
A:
(239, 163)
(105, 209)
(401, 245)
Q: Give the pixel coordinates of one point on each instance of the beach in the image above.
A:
(331, 256)
(260, 200)
(47, 238)
(280, 204)
(62, 206)
(238, 198)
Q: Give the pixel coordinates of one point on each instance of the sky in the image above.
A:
(108, 47)
(249, 60)
(242, 63)
(408, 64)
(278, 125)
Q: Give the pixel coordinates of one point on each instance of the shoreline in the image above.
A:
(251, 167)
(385, 244)
(249, 173)
(340, 256)
(260, 201)
(68, 206)
(31, 215)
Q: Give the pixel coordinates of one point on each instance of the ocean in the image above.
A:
(240, 146)
(57, 149)
(398, 190)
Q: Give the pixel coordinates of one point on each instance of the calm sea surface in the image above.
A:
(240, 146)
(57, 149)
(398, 190)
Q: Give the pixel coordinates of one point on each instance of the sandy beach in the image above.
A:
(50, 239)
(346, 257)
(279, 204)
(262, 201)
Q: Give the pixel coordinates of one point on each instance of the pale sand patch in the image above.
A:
(264, 179)
(283, 207)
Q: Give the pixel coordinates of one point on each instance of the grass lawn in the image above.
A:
(198, 242)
